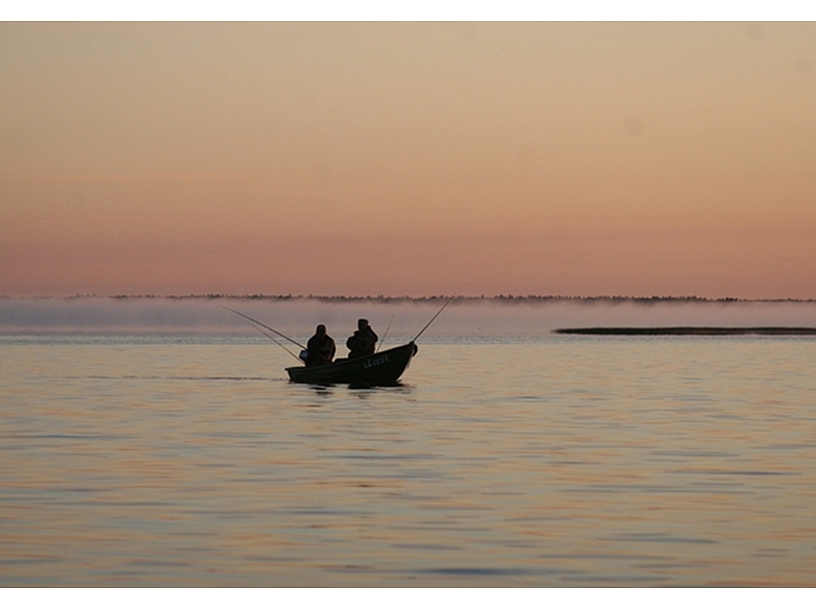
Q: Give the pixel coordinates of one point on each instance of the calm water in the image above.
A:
(554, 462)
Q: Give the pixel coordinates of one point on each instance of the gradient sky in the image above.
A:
(408, 158)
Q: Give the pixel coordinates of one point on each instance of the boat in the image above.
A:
(379, 369)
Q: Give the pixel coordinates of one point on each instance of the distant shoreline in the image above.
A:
(500, 298)
(688, 330)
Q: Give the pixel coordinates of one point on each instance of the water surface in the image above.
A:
(562, 461)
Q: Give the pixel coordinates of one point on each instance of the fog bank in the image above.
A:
(297, 317)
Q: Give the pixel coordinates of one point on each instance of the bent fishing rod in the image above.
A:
(271, 336)
(259, 323)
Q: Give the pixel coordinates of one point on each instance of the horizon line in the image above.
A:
(432, 298)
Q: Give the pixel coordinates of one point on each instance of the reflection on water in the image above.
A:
(557, 462)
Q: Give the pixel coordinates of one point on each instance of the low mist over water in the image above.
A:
(464, 317)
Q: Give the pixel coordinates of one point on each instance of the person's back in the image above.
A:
(364, 340)
(320, 348)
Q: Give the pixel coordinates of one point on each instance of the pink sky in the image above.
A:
(554, 158)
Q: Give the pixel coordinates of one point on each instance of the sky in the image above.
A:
(554, 158)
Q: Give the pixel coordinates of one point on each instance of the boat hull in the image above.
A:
(382, 368)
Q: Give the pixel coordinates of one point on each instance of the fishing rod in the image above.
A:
(424, 328)
(385, 334)
(264, 326)
(278, 343)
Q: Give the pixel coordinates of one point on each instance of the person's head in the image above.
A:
(321, 329)
(362, 323)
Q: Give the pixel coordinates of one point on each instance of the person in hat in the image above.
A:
(363, 341)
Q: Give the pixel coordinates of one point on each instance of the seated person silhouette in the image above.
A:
(363, 341)
(320, 348)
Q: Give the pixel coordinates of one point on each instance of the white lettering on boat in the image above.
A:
(375, 361)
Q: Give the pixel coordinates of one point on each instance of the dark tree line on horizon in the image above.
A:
(501, 298)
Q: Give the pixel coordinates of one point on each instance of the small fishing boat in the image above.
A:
(382, 368)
